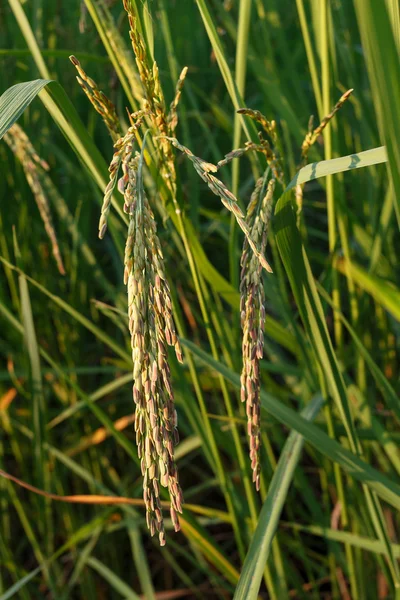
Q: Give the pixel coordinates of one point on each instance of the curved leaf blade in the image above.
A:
(351, 463)
(16, 99)
(384, 292)
(375, 156)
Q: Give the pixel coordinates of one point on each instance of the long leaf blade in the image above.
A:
(257, 556)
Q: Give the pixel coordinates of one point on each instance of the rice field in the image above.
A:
(199, 299)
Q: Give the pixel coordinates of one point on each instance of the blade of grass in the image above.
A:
(345, 537)
(322, 168)
(303, 286)
(30, 39)
(110, 576)
(75, 314)
(16, 99)
(388, 393)
(351, 463)
(268, 521)
(383, 67)
(302, 282)
(231, 86)
(117, 50)
(384, 292)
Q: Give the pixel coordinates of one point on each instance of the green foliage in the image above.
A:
(324, 521)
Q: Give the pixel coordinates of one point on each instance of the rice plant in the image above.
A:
(245, 284)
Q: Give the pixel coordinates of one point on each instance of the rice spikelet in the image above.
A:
(154, 102)
(172, 118)
(123, 146)
(309, 140)
(313, 135)
(99, 100)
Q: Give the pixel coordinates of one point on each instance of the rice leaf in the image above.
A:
(351, 463)
(268, 521)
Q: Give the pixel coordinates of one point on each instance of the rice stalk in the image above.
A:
(34, 168)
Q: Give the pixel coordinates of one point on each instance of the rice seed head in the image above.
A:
(253, 316)
(268, 126)
(313, 135)
(163, 124)
(99, 100)
(152, 329)
(231, 155)
(267, 147)
(35, 170)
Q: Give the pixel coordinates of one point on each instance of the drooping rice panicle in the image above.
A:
(152, 328)
(313, 135)
(309, 140)
(229, 200)
(252, 313)
(34, 168)
(99, 100)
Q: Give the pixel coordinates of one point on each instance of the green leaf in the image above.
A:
(389, 395)
(384, 292)
(199, 536)
(38, 400)
(382, 60)
(75, 314)
(18, 585)
(15, 100)
(302, 282)
(115, 582)
(231, 86)
(303, 286)
(345, 537)
(351, 463)
(339, 165)
(258, 553)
